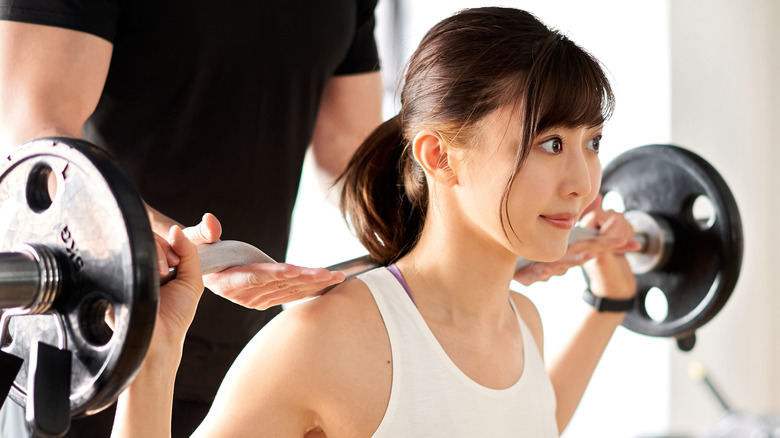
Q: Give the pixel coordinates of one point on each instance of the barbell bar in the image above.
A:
(69, 253)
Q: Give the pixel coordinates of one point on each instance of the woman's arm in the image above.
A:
(610, 276)
(278, 381)
(268, 390)
(144, 409)
(570, 372)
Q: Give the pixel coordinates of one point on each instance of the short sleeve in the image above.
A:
(97, 17)
(362, 55)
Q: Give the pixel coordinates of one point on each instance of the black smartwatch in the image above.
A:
(607, 304)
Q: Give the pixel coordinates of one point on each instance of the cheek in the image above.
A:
(595, 180)
(481, 195)
(532, 184)
(526, 198)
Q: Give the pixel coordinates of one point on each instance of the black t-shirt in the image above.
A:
(209, 106)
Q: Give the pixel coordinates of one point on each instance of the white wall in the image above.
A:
(726, 106)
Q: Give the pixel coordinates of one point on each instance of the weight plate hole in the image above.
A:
(613, 201)
(92, 319)
(703, 212)
(656, 305)
(41, 188)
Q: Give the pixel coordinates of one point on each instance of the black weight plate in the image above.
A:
(705, 261)
(96, 224)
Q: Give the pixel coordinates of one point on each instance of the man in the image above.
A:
(208, 107)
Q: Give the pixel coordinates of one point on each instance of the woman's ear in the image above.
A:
(431, 151)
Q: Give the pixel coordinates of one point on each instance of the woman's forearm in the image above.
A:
(144, 408)
(571, 371)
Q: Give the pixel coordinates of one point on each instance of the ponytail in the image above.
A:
(384, 195)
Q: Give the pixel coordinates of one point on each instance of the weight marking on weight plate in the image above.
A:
(70, 248)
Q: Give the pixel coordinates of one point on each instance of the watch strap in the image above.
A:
(603, 304)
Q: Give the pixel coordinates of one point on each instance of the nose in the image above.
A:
(580, 175)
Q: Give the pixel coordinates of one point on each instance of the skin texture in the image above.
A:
(324, 368)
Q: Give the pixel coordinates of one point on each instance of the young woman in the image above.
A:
(494, 155)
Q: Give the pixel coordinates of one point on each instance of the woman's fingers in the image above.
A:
(544, 271)
(209, 230)
(262, 285)
(166, 256)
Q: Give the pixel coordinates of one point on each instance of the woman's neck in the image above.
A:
(458, 279)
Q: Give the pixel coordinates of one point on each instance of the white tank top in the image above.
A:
(431, 397)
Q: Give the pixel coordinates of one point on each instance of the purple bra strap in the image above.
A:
(397, 274)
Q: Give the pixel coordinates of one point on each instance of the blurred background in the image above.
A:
(702, 74)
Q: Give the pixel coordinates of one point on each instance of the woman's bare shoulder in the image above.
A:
(530, 315)
(311, 358)
(326, 322)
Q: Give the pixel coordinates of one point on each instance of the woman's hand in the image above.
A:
(608, 271)
(144, 408)
(257, 285)
(615, 237)
(577, 254)
(179, 297)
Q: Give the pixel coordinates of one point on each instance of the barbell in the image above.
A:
(76, 242)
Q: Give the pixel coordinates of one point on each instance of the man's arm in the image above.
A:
(351, 108)
(50, 81)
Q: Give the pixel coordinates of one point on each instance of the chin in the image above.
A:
(553, 255)
(544, 257)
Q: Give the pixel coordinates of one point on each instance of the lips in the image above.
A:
(564, 221)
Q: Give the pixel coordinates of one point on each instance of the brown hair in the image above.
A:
(466, 67)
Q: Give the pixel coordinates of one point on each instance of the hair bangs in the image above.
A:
(568, 87)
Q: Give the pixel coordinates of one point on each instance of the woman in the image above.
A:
(494, 155)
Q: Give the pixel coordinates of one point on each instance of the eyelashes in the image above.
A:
(554, 145)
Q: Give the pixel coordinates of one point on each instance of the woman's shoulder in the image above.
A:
(345, 307)
(343, 323)
(313, 358)
(530, 316)
(325, 322)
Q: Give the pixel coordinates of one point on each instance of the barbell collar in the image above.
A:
(657, 239)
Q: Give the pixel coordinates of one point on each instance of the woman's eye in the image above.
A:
(553, 146)
(594, 144)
